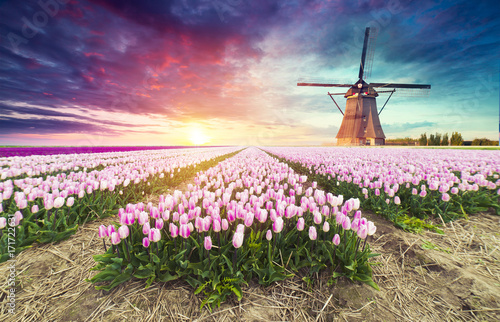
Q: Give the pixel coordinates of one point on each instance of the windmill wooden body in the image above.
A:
(361, 123)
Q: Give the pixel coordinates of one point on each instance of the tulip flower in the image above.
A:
(346, 224)
(174, 230)
(445, 197)
(145, 242)
(3, 222)
(70, 201)
(237, 240)
(146, 228)
(312, 233)
(208, 243)
(58, 202)
(111, 229)
(269, 234)
(115, 238)
(143, 218)
(154, 235)
(336, 240)
(184, 231)
(225, 224)
(278, 225)
(300, 224)
(123, 231)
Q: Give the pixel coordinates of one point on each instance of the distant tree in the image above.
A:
(445, 140)
(456, 139)
(484, 141)
(437, 139)
(431, 139)
(423, 139)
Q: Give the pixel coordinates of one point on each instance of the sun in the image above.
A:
(197, 136)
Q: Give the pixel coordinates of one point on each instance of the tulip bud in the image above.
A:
(184, 231)
(70, 201)
(225, 224)
(145, 242)
(146, 228)
(208, 243)
(174, 230)
(326, 227)
(58, 202)
(159, 223)
(123, 231)
(115, 238)
(300, 224)
(312, 233)
(3, 222)
(371, 228)
(102, 231)
(111, 229)
(269, 234)
(336, 240)
(34, 209)
(238, 240)
(278, 225)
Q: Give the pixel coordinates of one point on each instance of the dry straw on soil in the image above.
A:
(456, 277)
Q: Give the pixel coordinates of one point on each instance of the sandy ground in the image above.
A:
(424, 277)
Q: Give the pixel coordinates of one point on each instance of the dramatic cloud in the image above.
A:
(149, 72)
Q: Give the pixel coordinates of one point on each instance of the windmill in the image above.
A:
(361, 123)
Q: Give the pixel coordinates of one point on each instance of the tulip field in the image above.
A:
(224, 221)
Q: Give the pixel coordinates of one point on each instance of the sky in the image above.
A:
(225, 72)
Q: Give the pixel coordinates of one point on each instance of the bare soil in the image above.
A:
(422, 277)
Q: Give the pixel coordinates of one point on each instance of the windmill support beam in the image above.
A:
(392, 92)
(331, 96)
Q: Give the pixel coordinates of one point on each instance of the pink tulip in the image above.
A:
(34, 209)
(362, 232)
(154, 235)
(184, 231)
(159, 223)
(143, 218)
(174, 230)
(225, 224)
(269, 234)
(346, 224)
(238, 240)
(278, 225)
(300, 224)
(445, 197)
(397, 201)
(111, 229)
(216, 226)
(115, 238)
(123, 231)
(145, 242)
(102, 231)
(317, 217)
(312, 233)
(146, 228)
(249, 219)
(3, 222)
(336, 240)
(70, 202)
(326, 227)
(208, 243)
(371, 228)
(58, 202)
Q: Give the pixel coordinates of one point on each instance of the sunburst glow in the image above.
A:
(198, 137)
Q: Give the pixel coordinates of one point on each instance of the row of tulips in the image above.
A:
(249, 216)
(42, 165)
(405, 185)
(50, 210)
